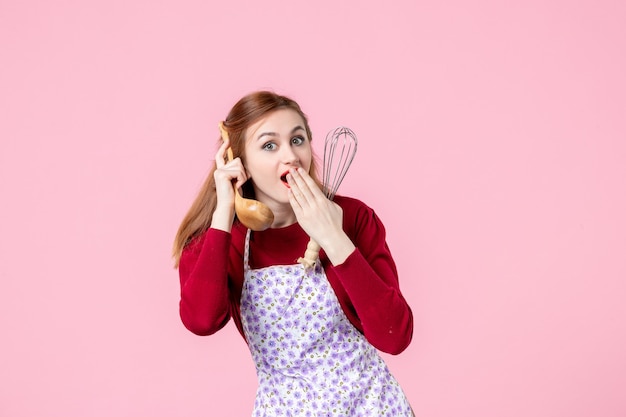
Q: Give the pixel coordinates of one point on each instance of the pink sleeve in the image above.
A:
(370, 279)
(203, 270)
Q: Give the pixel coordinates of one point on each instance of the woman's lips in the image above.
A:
(283, 178)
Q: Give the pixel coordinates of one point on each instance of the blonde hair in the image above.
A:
(247, 111)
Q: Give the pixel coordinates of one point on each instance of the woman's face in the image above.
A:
(275, 144)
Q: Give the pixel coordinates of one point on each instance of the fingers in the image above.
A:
(228, 169)
(297, 200)
(321, 218)
(220, 156)
(303, 187)
(233, 171)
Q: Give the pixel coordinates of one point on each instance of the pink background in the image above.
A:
(492, 144)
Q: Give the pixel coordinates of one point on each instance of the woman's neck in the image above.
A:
(283, 216)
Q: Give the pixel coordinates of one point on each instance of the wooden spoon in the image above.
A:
(253, 214)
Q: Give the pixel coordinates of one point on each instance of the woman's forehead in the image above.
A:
(278, 122)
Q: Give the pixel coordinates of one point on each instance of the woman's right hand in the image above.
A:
(225, 174)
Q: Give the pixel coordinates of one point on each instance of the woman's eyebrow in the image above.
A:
(274, 134)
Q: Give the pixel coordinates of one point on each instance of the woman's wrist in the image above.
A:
(223, 218)
(338, 249)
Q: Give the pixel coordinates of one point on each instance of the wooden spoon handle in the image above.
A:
(223, 131)
(225, 138)
(229, 151)
(310, 255)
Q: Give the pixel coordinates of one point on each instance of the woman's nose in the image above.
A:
(289, 156)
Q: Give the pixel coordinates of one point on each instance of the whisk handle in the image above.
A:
(310, 255)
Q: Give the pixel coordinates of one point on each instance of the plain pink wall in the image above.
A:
(492, 144)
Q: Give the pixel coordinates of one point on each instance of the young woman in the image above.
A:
(312, 332)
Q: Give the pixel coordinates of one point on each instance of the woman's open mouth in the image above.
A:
(283, 178)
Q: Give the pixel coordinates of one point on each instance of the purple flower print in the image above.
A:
(310, 359)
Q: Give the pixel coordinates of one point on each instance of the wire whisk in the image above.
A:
(339, 150)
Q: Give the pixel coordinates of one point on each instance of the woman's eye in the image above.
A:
(269, 146)
(298, 140)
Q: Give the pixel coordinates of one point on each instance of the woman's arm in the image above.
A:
(370, 279)
(203, 270)
(203, 267)
(367, 273)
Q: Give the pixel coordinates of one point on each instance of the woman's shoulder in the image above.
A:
(351, 204)
(360, 221)
(356, 213)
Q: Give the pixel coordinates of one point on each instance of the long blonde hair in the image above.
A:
(244, 113)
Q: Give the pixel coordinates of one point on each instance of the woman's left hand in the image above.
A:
(320, 218)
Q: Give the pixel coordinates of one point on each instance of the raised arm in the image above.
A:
(203, 267)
